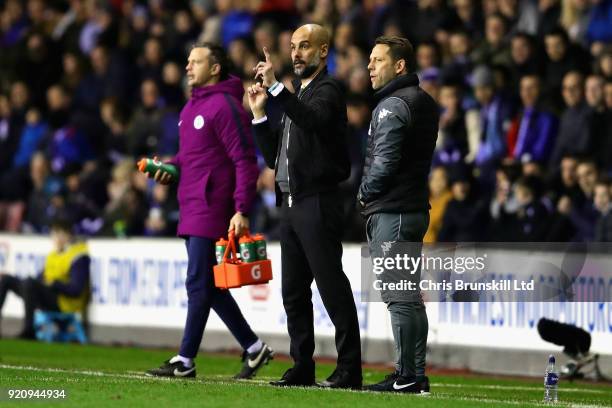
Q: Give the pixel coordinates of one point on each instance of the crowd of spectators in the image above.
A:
(524, 151)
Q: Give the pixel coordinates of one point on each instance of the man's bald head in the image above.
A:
(317, 34)
(309, 48)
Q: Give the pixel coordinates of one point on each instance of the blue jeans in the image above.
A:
(202, 295)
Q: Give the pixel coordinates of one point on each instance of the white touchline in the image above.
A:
(262, 382)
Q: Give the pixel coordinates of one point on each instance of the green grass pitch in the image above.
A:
(95, 376)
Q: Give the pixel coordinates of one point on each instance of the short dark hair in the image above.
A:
(218, 56)
(61, 223)
(558, 31)
(399, 48)
(531, 183)
(529, 39)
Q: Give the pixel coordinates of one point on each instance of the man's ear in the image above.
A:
(400, 66)
(215, 69)
(324, 50)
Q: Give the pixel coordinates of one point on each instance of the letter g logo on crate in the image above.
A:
(256, 272)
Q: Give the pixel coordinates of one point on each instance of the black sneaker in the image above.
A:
(396, 383)
(424, 384)
(252, 362)
(173, 368)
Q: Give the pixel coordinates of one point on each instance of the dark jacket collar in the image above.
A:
(297, 83)
(402, 81)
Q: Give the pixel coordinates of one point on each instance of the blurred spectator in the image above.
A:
(565, 182)
(495, 117)
(504, 204)
(65, 142)
(562, 57)
(493, 49)
(465, 15)
(105, 80)
(62, 285)
(30, 138)
(73, 71)
(10, 128)
(458, 68)
(427, 56)
(40, 67)
(525, 60)
(581, 211)
(603, 228)
(452, 145)
(124, 214)
(465, 216)
(604, 64)
(549, 12)
(439, 196)
(530, 223)
(574, 130)
(151, 60)
(267, 215)
(115, 121)
(44, 186)
(427, 17)
(20, 99)
(180, 34)
(153, 129)
(600, 121)
(15, 183)
(600, 24)
(532, 134)
(171, 89)
(575, 16)
(162, 218)
(429, 80)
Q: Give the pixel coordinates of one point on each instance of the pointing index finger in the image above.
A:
(266, 54)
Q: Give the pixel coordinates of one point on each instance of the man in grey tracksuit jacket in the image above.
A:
(395, 200)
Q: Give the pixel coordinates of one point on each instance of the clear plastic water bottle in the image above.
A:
(551, 381)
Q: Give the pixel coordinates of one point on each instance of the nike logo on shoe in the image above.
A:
(254, 363)
(178, 373)
(396, 386)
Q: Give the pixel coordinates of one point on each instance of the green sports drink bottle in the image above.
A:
(260, 247)
(248, 253)
(220, 246)
(152, 165)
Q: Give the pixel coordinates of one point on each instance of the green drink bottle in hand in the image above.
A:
(152, 165)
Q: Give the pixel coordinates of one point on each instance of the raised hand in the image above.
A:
(257, 100)
(265, 71)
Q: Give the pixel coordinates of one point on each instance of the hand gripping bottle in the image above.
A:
(152, 165)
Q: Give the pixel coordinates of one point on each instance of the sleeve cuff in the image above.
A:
(260, 120)
(276, 88)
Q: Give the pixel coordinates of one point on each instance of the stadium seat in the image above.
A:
(59, 327)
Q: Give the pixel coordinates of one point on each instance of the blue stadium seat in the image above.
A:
(59, 327)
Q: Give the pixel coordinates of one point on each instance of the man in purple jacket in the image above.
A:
(216, 188)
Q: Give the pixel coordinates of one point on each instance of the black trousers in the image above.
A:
(310, 234)
(35, 295)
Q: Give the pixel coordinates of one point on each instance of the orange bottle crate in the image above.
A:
(233, 273)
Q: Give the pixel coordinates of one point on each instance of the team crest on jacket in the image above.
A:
(198, 122)
(383, 113)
